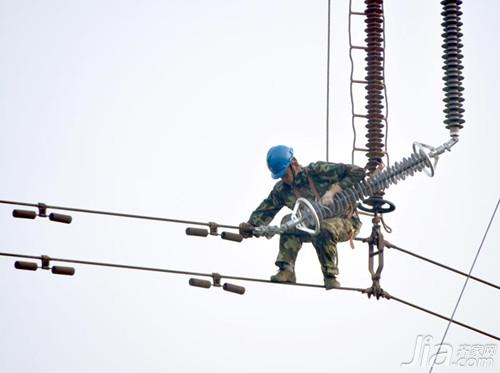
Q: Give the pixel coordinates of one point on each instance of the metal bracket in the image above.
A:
(45, 262)
(216, 277)
(213, 228)
(432, 153)
(376, 291)
(42, 210)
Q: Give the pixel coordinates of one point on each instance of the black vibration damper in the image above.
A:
(200, 283)
(200, 232)
(27, 266)
(24, 214)
(234, 288)
(231, 236)
(60, 270)
(60, 218)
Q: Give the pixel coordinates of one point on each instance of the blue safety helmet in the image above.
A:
(279, 159)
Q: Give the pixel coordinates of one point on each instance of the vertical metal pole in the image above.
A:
(328, 84)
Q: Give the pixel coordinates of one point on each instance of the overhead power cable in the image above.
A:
(465, 283)
(445, 267)
(163, 270)
(239, 278)
(450, 320)
(117, 214)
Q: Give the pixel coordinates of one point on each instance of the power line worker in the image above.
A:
(317, 181)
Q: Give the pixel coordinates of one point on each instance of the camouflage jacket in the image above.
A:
(323, 175)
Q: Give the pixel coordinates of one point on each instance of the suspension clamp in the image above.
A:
(376, 291)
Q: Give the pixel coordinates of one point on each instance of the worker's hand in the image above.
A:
(378, 170)
(246, 230)
(328, 197)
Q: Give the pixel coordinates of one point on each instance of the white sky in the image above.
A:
(167, 108)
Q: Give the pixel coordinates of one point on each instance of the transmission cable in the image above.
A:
(117, 214)
(163, 270)
(240, 278)
(450, 320)
(465, 284)
(445, 267)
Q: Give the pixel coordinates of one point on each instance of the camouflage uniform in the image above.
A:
(338, 229)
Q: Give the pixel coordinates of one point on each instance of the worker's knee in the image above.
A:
(290, 243)
(341, 229)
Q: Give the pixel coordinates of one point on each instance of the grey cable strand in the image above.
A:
(465, 284)
(117, 214)
(163, 270)
(177, 272)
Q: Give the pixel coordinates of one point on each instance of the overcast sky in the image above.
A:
(167, 108)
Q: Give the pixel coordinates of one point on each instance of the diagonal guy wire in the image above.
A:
(465, 284)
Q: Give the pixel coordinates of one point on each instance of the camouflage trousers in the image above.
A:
(332, 231)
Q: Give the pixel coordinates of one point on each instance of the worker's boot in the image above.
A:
(331, 282)
(286, 274)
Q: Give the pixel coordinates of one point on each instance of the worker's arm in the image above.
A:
(264, 213)
(352, 174)
(268, 208)
(340, 176)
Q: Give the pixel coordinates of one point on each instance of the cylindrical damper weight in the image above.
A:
(24, 214)
(60, 270)
(231, 236)
(234, 288)
(200, 232)
(60, 218)
(27, 266)
(200, 283)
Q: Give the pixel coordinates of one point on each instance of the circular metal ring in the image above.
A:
(423, 149)
(304, 211)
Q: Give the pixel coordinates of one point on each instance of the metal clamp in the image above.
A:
(213, 228)
(216, 277)
(45, 262)
(42, 210)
